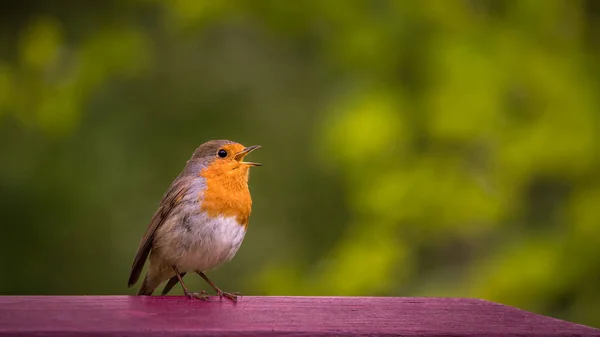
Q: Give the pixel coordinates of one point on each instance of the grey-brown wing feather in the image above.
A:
(169, 201)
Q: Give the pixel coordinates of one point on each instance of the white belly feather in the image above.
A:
(200, 242)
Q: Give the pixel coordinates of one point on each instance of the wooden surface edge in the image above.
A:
(111, 315)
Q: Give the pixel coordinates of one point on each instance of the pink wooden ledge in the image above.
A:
(272, 316)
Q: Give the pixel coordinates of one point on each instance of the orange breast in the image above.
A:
(226, 192)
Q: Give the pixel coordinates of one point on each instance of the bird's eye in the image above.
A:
(222, 153)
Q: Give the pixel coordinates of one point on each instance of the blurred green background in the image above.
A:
(410, 148)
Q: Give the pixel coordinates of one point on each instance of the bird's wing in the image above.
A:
(173, 196)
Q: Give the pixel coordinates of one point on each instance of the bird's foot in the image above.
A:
(232, 296)
(203, 295)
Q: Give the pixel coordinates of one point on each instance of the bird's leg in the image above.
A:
(203, 295)
(220, 293)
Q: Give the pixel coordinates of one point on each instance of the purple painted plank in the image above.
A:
(271, 316)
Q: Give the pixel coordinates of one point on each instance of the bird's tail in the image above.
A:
(172, 282)
(147, 287)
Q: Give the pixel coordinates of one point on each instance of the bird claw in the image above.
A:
(202, 295)
(232, 296)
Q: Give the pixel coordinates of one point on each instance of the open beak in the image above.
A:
(240, 155)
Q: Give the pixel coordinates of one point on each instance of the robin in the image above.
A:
(200, 222)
